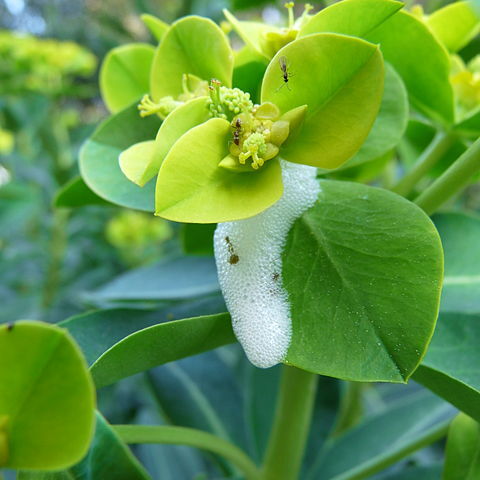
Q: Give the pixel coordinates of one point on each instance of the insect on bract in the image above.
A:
(286, 73)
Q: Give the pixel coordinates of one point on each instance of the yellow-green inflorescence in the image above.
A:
(272, 41)
(257, 131)
(192, 87)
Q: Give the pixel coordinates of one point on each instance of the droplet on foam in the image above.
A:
(249, 262)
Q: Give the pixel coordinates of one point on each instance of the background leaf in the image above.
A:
(99, 159)
(451, 366)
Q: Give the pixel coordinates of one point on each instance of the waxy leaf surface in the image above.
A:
(340, 79)
(363, 271)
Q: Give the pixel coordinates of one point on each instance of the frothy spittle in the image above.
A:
(249, 262)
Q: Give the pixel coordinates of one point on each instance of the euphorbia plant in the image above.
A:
(325, 276)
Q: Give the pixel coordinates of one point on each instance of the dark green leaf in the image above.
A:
(363, 270)
(75, 193)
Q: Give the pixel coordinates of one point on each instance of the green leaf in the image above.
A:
(470, 125)
(390, 124)
(47, 398)
(125, 74)
(250, 32)
(462, 455)
(363, 270)
(340, 78)
(180, 121)
(192, 188)
(248, 71)
(157, 27)
(138, 162)
(197, 239)
(75, 193)
(193, 45)
(450, 368)
(108, 457)
(454, 25)
(461, 286)
(424, 65)
(161, 344)
(99, 164)
(405, 427)
(415, 473)
(97, 331)
(350, 17)
(174, 278)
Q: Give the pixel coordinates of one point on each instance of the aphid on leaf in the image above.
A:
(286, 73)
(10, 327)
(237, 131)
(275, 276)
(233, 258)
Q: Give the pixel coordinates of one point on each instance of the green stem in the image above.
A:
(351, 408)
(288, 438)
(452, 181)
(190, 437)
(433, 153)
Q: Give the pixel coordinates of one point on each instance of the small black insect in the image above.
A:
(275, 276)
(237, 131)
(10, 327)
(233, 258)
(286, 73)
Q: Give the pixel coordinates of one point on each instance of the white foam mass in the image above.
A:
(249, 263)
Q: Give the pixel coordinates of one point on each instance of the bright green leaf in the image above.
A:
(47, 398)
(248, 71)
(161, 344)
(250, 32)
(383, 439)
(137, 162)
(424, 65)
(192, 45)
(373, 263)
(340, 78)
(108, 458)
(192, 188)
(75, 193)
(125, 74)
(390, 124)
(462, 455)
(99, 165)
(451, 366)
(350, 17)
(157, 27)
(454, 25)
(470, 125)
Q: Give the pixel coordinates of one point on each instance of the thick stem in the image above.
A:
(288, 438)
(351, 408)
(433, 153)
(451, 181)
(193, 438)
